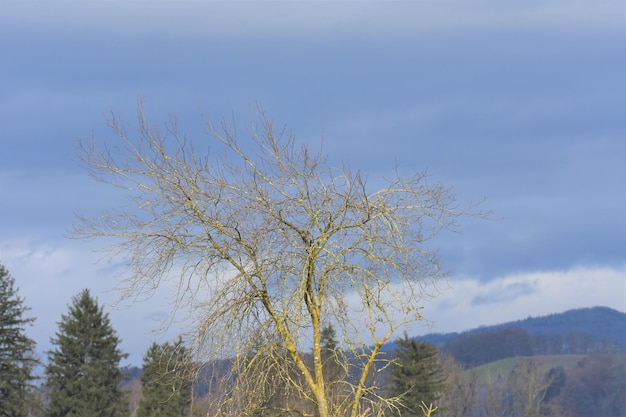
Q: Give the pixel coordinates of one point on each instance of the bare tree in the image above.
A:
(262, 235)
(459, 398)
(529, 384)
(521, 391)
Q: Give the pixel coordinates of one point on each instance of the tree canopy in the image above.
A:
(416, 376)
(165, 380)
(263, 233)
(17, 360)
(83, 371)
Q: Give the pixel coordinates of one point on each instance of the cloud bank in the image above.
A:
(470, 302)
(62, 270)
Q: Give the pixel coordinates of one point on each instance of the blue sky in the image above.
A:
(520, 102)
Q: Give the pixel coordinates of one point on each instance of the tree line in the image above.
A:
(82, 376)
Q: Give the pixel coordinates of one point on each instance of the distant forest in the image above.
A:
(580, 331)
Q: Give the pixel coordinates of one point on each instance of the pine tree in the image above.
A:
(16, 351)
(335, 367)
(166, 381)
(83, 373)
(416, 376)
(331, 355)
(329, 343)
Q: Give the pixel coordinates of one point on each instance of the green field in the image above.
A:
(504, 366)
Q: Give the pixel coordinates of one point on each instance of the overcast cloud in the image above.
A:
(518, 102)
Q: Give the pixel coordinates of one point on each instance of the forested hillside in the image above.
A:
(571, 364)
(580, 331)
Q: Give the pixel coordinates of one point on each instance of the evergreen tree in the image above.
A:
(332, 358)
(166, 381)
(416, 376)
(83, 373)
(16, 351)
(329, 344)
(335, 368)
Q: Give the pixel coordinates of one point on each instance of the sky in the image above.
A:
(518, 102)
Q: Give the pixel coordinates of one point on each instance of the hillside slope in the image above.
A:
(598, 322)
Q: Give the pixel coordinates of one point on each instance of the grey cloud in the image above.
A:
(508, 293)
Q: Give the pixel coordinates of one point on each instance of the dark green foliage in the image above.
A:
(166, 381)
(83, 374)
(16, 351)
(334, 364)
(416, 375)
(330, 359)
(329, 342)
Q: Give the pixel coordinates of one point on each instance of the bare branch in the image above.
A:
(264, 238)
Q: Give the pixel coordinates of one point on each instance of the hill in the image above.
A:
(599, 322)
(579, 331)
